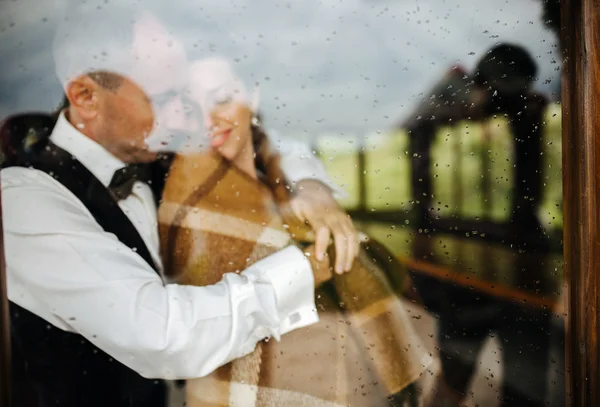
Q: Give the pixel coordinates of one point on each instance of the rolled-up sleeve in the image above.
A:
(63, 267)
(299, 163)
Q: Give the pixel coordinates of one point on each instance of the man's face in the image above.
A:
(127, 117)
(138, 126)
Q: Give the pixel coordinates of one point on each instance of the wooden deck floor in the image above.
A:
(530, 278)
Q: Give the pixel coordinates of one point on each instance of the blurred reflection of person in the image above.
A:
(503, 83)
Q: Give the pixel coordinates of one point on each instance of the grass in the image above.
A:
(458, 154)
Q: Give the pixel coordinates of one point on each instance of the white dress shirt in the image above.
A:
(62, 266)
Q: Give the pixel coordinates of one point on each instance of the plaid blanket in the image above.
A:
(215, 219)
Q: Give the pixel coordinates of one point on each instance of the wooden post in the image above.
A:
(5, 367)
(457, 180)
(362, 176)
(486, 171)
(580, 35)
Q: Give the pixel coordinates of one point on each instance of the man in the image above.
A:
(90, 314)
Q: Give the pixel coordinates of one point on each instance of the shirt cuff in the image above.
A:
(290, 275)
(318, 174)
(298, 163)
(337, 191)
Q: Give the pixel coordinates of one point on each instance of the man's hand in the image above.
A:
(315, 205)
(321, 269)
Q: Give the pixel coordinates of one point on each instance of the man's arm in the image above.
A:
(63, 267)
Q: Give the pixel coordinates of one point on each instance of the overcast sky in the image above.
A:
(343, 65)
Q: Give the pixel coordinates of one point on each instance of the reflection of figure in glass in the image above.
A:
(502, 82)
(93, 323)
(228, 208)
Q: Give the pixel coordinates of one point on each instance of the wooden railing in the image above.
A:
(423, 210)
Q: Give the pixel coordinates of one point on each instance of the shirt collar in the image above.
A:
(92, 155)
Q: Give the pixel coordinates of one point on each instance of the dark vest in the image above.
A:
(52, 367)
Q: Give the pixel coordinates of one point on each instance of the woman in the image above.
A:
(227, 208)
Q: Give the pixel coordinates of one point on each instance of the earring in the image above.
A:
(255, 122)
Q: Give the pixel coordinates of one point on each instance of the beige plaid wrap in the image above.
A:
(215, 219)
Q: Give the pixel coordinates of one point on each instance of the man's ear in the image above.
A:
(83, 94)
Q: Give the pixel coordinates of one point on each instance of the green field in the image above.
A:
(457, 154)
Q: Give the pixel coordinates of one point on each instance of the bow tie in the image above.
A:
(122, 181)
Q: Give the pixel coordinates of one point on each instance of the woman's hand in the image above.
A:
(314, 204)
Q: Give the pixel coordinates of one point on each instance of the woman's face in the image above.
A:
(230, 130)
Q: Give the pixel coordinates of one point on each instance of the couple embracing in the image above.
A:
(105, 304)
